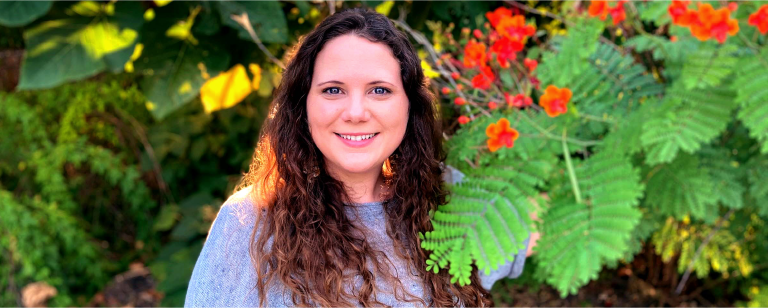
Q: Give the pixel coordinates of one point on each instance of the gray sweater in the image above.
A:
(224, 275)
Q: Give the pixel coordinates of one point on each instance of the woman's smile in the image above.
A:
(357, 140)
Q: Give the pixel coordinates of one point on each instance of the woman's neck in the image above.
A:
(361, 187)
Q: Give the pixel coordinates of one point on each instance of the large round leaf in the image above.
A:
(74, 48)
(20, 13)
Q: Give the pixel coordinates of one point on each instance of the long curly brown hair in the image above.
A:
(301, 207)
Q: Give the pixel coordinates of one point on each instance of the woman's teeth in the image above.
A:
(357, 138)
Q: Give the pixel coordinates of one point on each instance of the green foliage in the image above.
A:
(571, 58)
(686, 120)
(752, 95)
(708, 66)
(486, 219)
(55, 156)
(20, 13)
(579, 237)
(80, 46)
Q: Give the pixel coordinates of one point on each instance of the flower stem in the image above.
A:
(571, 173)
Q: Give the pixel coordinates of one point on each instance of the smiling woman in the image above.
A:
(346, 173)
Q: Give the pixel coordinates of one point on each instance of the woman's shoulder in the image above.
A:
(240, 209)
(223, 268)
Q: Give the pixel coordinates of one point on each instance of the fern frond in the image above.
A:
(486, 219)
(752, 95)
(726, 176)
(577, 239)
(625, 138)
(680, 188)
(709, 66)
(758, 182)
(570, 60)
(685, 121)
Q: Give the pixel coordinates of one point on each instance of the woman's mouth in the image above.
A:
(357, 140)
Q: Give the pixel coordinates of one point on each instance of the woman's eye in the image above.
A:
(331, 88)
(385, 90)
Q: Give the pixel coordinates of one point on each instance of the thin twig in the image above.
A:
(709, 237)
(244, 22)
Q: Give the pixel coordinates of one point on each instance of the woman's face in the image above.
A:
(357, 108)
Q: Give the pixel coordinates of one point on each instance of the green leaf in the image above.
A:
(654, 11)
(709, 66)
(486, 219)
(571, 58)
(758, 183)
(167, 218)
(578, 238)
(266, 17)
(20, 13)
(726, 175)
(752, 95)
(685, 121)
(680, 188)
(174, 71)
(64, 50)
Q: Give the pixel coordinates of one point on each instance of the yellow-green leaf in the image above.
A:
(226, 90)
(256, 72)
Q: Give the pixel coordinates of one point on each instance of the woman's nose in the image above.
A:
(356, 110)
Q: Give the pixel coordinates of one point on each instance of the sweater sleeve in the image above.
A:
(507, 270)
(223, 271)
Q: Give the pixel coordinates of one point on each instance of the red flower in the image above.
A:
(478, 34)
(733, 6)
(505, 50)
(500, 134)
(455, 75)
(673, 38)
(484, 79)
(678, 10)
(598, 7)
(492, 105)
(518, 101)
(515, 28)
(459, 101)
(446, 90)
(531, 64)
(474, 54)
(759, 19)
(463, 119)
(713, 23)
(495, 16)
(555, 100)
(617, 13)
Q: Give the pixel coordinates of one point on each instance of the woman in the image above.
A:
(344, 176)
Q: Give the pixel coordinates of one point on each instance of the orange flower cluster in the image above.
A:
(500, 134)
(518, 101)
(484, 79)
(555, 100)
(759, 19)
(474, 54)
(600, 8)
(706, 23)
(513, 34)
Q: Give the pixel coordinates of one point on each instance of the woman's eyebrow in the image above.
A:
(339, 82)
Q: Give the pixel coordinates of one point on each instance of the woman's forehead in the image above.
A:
(353, 59)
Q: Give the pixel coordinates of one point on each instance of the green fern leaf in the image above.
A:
(680, 188)
(726, 176)
(487, 217)
(570, 60)
(709, 66)
(578, 238)
(685, 121)
(752, 95)
(758, 183)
